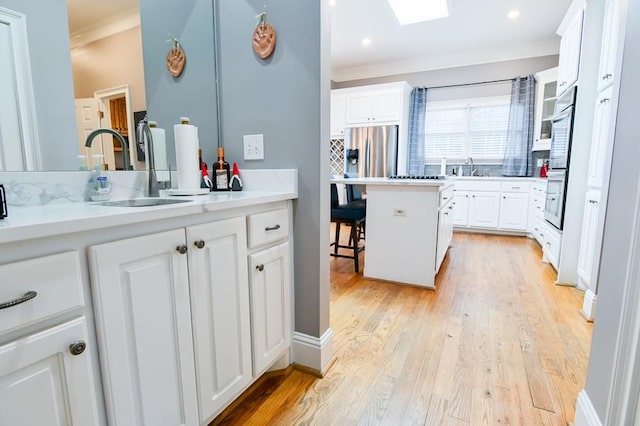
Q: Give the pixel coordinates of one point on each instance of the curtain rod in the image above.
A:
(471, 84)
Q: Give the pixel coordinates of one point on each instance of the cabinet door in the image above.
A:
(141, 294)
(42, 383)
(461, 210)
(600, 138)
(514, 211)
(358, 108)
(386, 105)
(590, 233)
(610, 41)
(270, 305)
(570, 53)
(220, 307)
(484, 209)
(545, 101)
(338, 112)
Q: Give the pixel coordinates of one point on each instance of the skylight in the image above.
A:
(413, 11)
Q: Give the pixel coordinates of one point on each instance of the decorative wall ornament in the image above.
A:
(176, 58)
(264, 37)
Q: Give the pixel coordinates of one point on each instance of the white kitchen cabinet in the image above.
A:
(611, 33)
(551, 242)
(270, 301)
(545, 102)
(43, 383)
(143, 317)
(588, 256)
(445, 231)
(220, 311)
(461, 210)
(338, 113)
(484, 209)
(514, 211)
(570, 32)
(373, 107)
(600, 138)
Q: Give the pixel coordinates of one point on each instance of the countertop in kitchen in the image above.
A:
(394, 182)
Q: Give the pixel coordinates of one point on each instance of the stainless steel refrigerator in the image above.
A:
(371, 151)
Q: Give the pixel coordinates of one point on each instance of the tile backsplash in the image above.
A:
(484, 169)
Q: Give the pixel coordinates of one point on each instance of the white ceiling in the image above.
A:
(85, 14)
(476, 31)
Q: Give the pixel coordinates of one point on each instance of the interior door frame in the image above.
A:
(103, 97)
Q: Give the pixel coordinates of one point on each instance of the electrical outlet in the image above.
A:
(539, 162)
(253, 147)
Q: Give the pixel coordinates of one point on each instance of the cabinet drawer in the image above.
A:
(56, 280)
(268, 227)
(551, 241)
(446, 195)
(478, 184)
(514, 187)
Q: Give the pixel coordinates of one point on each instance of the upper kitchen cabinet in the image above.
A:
(546, 87)
(571, 32)
(611, 32)
(377, 105)
(338, 110)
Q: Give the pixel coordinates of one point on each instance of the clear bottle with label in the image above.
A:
(99, 185)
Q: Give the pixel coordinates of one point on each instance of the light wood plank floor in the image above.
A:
(496, 344)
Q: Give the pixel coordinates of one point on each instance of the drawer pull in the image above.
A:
(445, 198)
(77, 347)
(515, 187)
(607, 76)
(27, 296)
(182, 249)
(272, 228)
(548, 243)
(200, 244)
(260, 268)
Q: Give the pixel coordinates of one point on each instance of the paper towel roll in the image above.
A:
(159, 148)
(186, 140)
(443, 166)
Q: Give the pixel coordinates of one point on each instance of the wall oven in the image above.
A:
(559, 158)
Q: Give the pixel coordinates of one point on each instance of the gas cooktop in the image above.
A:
(421, 177)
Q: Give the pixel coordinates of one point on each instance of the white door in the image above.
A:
(386, 105)
(88, 118)
(358, 108)
(610, 42)
(220, 307)
(600, 138)
(270, 313)
(141, 294)
(588, 252)
(338, 111)
(43, 383)
(484, 209)
(514, 211)
(461, 210)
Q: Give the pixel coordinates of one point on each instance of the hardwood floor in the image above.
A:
(496, 344)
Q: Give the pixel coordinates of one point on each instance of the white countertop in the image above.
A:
(31, 222)
(393, 182)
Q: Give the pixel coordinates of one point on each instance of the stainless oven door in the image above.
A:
(561, 139)
(554, 206)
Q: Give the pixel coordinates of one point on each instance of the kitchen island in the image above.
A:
(409, 228)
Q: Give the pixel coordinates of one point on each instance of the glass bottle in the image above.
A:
(221, 173)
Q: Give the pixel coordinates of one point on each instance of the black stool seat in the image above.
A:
(353, 214)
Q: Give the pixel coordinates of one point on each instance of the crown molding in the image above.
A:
(108, 27)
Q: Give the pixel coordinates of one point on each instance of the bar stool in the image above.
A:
(354, 197)
(348, 214)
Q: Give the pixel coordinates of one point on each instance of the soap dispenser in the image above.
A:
(99, 185)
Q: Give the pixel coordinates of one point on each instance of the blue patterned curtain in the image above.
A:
(417, 113)
(518, 160)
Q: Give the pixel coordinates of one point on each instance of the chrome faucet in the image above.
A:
(144, 132)
(473, 170)
(125, 146)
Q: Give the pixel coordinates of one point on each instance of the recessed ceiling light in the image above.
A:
(366, 41)
(332, 2)
(412, 11)
(513, 14)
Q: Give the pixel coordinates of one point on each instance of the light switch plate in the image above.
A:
(253, 147)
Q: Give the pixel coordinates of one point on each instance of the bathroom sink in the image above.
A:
(141, 202)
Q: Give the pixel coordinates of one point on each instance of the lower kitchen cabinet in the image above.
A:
(270, 305)
(587, 270)
(220, 310)
(143, 318)
(445, 231)
(461, 211)
(46, 378)
(484, 209)
(514, 211)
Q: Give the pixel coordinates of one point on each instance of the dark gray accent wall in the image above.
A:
(285, 98)
(193, 94)
(622, 214)
(466, 74)
(50, 55)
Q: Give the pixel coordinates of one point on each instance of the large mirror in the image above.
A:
(106, 68)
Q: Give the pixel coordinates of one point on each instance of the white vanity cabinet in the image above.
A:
(270, 287)
(49, 363)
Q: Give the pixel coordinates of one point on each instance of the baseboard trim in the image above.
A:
(585, 412)
(313, 353)
(588, 310)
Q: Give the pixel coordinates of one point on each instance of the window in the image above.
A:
(464, 128)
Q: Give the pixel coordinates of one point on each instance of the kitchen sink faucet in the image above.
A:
(473, 171)
(125, 146)
(144, 132)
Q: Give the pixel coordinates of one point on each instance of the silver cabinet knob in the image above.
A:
(77, 347)
(260, 268)
(182, 249)
(200, 244)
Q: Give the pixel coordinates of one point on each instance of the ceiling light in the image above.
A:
(366, 41)
(412, 11)
(513, 14)
(332, 2)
